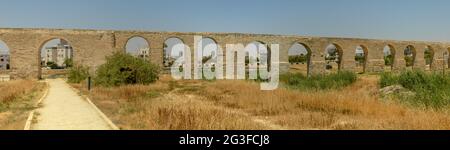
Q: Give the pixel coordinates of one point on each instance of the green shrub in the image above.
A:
(319, 82)
(78, 74)
(122, 68)
(388, 60)
(388, 79)
(298, 59)
(431, 89)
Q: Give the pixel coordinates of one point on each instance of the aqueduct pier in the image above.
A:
(92, 46)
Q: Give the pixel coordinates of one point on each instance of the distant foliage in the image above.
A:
(122, 69)
(389, 60)
(52, 65)
(409, 61)
(428, 57)
(360, 59)
(320, 82)
(298, 59)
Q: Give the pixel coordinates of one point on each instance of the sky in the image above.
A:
(424, 20)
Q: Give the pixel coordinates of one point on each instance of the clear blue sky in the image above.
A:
(387, 19)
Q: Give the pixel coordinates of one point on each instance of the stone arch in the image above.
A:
(207, 41)
(410, 56)
(361, 54)
(208, 53)
(266, 53)
(389, 57)
(429, 57)
(5, 57)
(137, 46)
(44, 57)
(333, 56)
(300, 58)
(169, 47)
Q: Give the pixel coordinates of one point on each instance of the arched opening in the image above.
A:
(410, 56)
(333, 58)
(5, 56)
(299, 58)
(208, 55)
(428, 56)
(360, 59)
(263, 54)
(173, 49)
(57, 55)
(138, 47)
(389, 57)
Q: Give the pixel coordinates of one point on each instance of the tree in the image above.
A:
(428, 57)
(206, 59)
(360, 59)
(388, 60)
(122, 69)
(302, 58)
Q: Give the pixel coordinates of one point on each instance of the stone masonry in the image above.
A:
(92, 46)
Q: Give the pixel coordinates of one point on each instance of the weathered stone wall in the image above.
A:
(92, 46)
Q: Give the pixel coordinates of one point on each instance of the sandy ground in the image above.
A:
(64, 109)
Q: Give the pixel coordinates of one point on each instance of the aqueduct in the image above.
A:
(92, 46)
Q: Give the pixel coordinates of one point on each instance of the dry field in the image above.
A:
(17, 99)
(169, 104)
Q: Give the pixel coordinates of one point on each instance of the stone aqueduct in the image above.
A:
(92, 46)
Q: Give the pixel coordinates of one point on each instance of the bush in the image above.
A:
(388, 60)
(122, 68)
(298, 59)
(320, 82)
(68, 63)
(78, 74)
(431, 89)
(388, 79)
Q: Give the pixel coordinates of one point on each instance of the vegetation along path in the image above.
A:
(64, 109)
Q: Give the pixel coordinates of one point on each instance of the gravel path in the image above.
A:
(64, 109)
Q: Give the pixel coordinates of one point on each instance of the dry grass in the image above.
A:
(355, 107)
(238, 105)
(299, 68)
(161, 106)
(17, 98)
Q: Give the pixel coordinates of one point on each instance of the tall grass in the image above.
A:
(17, 98)
(432, 90)
(319, 82)
(224, 104)
(11, 91)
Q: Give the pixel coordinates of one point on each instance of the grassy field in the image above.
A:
(17, 99)
(216, 105)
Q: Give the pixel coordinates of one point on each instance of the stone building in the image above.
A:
(144, 53)
(58, 54)
(4, 62)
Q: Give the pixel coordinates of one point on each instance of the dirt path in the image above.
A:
(64, 109)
